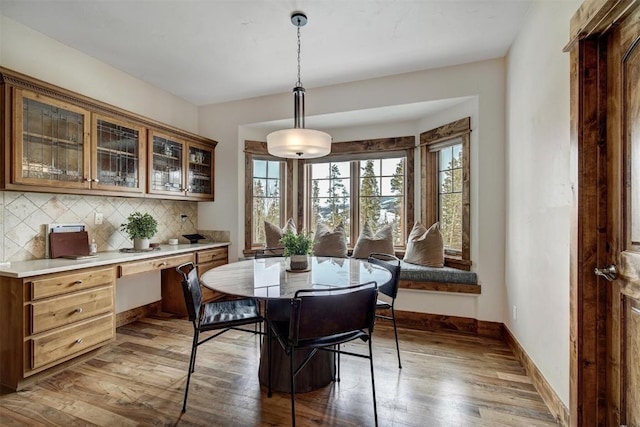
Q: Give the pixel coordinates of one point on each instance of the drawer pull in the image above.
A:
(78, 282)
(79, 310)
(635, 310)
(162, 264)
(79, 341)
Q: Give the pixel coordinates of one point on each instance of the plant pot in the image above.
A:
(299, 262)
(140, 244)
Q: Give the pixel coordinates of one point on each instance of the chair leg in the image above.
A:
(338, 374)
(395, 331)
(270, 369)
(192, 362)
(293, 387)
(373, 385)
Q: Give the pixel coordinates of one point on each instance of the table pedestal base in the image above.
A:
(318, 372)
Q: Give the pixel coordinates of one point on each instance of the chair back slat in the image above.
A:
(327, 312)
(191, 289)
(391, 263)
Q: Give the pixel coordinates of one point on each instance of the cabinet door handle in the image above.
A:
(79, 310)
(96, 180)
(79, 341)
(78, 282)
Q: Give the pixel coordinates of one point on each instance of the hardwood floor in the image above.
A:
(446, 380)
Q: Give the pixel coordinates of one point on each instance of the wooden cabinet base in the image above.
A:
(52, 319)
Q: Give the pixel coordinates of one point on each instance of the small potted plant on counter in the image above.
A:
(297, 246)
(140, 227)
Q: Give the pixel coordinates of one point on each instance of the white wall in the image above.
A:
(539, 191)
(485, 81)
(34, 54)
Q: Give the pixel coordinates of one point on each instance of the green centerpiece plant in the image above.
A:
(297, 246)
(140, 227)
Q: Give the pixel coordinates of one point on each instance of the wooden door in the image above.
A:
(623, 222)
(605, 142)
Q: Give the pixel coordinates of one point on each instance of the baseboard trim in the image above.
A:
(134, 314)
(442, 322)
(551, 399)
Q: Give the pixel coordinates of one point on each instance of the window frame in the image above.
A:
(362, 150)
(256, 150)
(443, 137)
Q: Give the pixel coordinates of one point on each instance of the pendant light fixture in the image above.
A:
(298, 142)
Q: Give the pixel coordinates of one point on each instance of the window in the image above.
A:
(363, 181)
(330, 195)
(445, 187)
(382, 195)
(450, 196)
(266, 196)
(268, 193)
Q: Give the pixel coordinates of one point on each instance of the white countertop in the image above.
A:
(35, 267)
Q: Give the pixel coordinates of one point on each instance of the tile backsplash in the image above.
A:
(23, 217)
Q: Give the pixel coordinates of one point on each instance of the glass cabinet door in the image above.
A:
(200, 177)
(166, 159)
(51, 142)
(118, 158)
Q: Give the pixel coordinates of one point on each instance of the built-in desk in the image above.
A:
(54, 310)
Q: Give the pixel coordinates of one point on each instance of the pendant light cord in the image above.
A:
(299, 83)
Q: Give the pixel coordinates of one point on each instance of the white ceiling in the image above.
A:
(210, 51)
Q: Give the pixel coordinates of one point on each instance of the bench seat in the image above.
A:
(422, 273)
(445, 279)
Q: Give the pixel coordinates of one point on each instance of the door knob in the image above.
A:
(610, 272)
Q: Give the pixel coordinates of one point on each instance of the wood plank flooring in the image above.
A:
(446, 380)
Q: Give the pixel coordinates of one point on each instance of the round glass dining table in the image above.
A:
(269, 279)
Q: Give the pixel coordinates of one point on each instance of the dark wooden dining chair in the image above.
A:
(390, 289)
(220, 316)
(321, 319)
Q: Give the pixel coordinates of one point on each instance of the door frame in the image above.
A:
(592, 402)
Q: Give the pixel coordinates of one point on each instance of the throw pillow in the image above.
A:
(329, 242)
(425, 246)
(274, 233)
(367, 242)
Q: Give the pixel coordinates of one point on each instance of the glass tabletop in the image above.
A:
(269, 277)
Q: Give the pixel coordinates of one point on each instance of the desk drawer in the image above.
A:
(52, 285)
(219, 255)
(72, 340)
(71, 308)
(154, 264)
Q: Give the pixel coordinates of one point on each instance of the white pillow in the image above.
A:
(328, 242)
(367, 243)
(274, 233)
(425, 247)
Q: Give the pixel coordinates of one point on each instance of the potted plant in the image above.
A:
(140, 227)
(297, 246)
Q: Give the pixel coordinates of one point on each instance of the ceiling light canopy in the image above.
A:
(298, 142)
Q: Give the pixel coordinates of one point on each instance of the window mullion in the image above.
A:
(355, 201)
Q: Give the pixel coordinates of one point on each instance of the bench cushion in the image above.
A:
(421, 273)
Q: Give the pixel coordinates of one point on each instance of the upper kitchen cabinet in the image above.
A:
(51, 142)
(55, 140)
(119, 155)
(180, 167)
